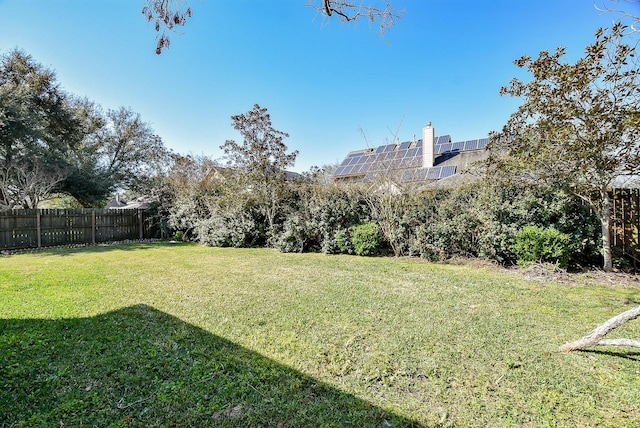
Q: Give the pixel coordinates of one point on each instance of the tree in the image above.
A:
(25, 186)
(38, 128)
(86, 181)
(169, 15)
(119, 151)
(53, 142)
(259, 163)
(579, 124)
(129, 149)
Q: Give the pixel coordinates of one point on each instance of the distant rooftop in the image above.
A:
(406, 160)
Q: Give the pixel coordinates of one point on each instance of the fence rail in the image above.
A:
(21, 229)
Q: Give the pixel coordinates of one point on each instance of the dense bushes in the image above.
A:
(505, 224)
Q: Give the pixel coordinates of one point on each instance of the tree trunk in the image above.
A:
(606, 232)
(596, 337)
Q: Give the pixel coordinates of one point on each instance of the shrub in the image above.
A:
(343, 242)
(366, 239)
(536, 244)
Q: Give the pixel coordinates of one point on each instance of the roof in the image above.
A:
(140, 203)
(116, 203)
(625, 182)
(405, 159)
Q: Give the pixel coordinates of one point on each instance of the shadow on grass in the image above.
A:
(97, 248)
(627, 355)
(141, 367)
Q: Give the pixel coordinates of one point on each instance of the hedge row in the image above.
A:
(505, 224)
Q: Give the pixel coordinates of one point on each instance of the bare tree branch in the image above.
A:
(620, 7)
(385, 15)
(167, 15)
(620, 342)
(596, 337)
(24, 186)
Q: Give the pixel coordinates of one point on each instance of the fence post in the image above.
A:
(624, 223)
(141, 223)
(38, 228)
(93, 226)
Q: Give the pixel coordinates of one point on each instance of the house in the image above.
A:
(430, 161)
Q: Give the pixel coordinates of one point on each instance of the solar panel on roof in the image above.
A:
(457, 147)
(447, 171)
(405, 158)
(443, 139)
(471, 145)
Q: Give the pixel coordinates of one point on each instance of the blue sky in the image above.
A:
(321, 81)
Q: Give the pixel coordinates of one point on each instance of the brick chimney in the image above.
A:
(428, 137)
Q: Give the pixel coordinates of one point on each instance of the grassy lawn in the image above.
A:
(183, 335)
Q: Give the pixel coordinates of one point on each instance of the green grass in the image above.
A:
(183, 335)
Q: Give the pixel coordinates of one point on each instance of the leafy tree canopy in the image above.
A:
(38, 127)
(258, 164)
(579, 124)
(52, 141)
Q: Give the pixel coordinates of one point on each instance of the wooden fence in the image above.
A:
(626, 222)
(50, 227)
